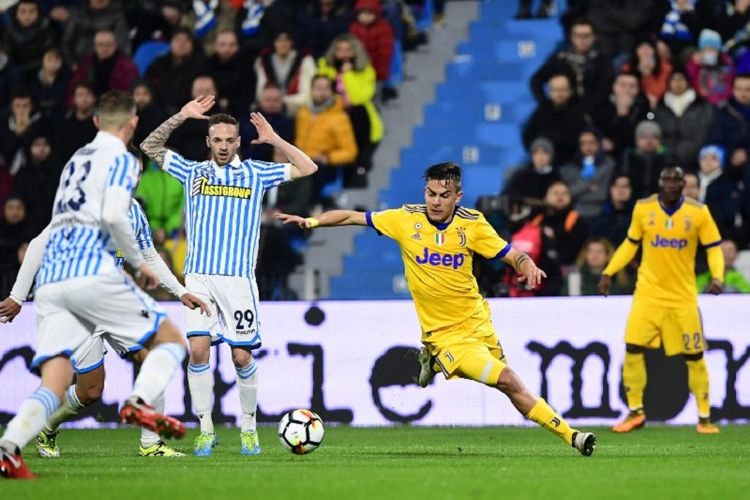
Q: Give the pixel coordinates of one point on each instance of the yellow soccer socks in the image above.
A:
(544, 415)
(698, 385)
(634, 379)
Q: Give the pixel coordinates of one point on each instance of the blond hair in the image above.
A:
(361, 59)
(115, 109)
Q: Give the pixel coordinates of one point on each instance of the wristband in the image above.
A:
(312, 222)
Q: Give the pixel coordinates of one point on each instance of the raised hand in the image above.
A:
(197, 108)
(266, 134)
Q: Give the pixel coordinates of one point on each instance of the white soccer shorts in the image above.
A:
(70, 312)
(233, 302)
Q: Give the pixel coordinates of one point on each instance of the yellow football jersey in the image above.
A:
(438, 260)
(669, 240)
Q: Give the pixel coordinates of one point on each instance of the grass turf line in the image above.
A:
(401, 462)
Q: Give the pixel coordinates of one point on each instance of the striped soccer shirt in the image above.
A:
(78, 243)
(141, 231)
(223, 211)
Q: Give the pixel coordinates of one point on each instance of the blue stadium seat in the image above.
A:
(147, 52)
(397, 64)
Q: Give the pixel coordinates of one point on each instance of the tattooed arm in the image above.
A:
(523, 265)
(154, 145)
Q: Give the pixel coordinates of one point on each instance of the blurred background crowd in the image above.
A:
(317, 70)
(636, 85)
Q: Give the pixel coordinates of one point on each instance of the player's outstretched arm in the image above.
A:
(522, 263)
(171, 283)
(302, 165)
(154, 146)
(32, 261)
(330, 218)
(621, 258)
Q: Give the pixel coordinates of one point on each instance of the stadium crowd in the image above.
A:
(637, 85)
(315, 69)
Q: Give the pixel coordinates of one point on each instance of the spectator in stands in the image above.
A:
(77, 128)
(619, 23)
(288, 69)
(653, 71)
(172, 74)
(347, 64)
(10, 78)
(692, 187)
(711, 71)
(107, 68)
(276, 260)
(376, 35)
(589, 175)
(27, 35)
(292, 197)
(619, 115)
(158, 20)
(684, 118)
(559, 118)
(88, 19)
(163, 201)
(259, 21)
(613, 222)
(591, 261)
(731, 123)
(150, 113)
(643, 163)
(589, 72)
(13, 232)
(49, 87)
(734, 281)
(37, 182)
(323, 131)
(18, 129)
(190, 138)
(232, 73)
(680, 24)
(271, 106)
(719, 191)
(528, 184)
(561, 234)
(320, 22)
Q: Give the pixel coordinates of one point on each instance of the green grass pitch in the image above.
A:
(658, 462)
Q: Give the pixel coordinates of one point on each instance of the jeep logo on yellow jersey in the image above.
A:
(438, 259)
(201, 186)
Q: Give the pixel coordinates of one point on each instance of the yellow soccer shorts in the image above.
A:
(679, 329)
(469, 349)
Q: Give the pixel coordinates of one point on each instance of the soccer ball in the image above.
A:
(301, 431)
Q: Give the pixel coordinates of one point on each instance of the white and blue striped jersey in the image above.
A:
(223, 211)
(141, 231)
(78, 243)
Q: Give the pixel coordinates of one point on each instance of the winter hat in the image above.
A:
(712, 149)
(544, 144)
(709, 39)
(647, 128)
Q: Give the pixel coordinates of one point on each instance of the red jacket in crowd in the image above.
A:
(377, 38)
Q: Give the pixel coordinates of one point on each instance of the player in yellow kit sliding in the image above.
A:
(665, 312)
(438, 241)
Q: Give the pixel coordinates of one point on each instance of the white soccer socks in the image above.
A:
(201, 384)
(247, 385)
(31, 417)
(157, 370)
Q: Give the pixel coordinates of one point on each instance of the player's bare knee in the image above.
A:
(200, 350)
(241, 357)
(89, 386)
(634, 349)
(508, 382)
(693, 357)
